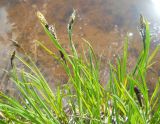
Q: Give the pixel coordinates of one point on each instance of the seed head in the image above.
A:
(42, 18)
(52, 30)
(138, 94)
(15, 43)
(71, 20)
(142, 29)
(12, 57)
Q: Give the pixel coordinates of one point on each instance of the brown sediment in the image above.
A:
(103, 23)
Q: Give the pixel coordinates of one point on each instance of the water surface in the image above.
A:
(104, 23)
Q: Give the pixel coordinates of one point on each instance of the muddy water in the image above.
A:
(104, 23)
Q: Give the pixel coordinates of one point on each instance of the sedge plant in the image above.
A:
(83, 100)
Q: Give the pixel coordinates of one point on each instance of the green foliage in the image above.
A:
(82, 99)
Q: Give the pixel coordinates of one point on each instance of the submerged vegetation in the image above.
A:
(125, 99)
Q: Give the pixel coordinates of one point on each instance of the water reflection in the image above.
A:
(4, 23)
(156, 6)
(5, 29)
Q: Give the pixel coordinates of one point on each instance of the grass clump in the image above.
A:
(83, 99)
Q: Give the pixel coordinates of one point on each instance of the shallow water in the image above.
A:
(104, 23)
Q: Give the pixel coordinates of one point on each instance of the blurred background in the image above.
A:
(104, 23)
